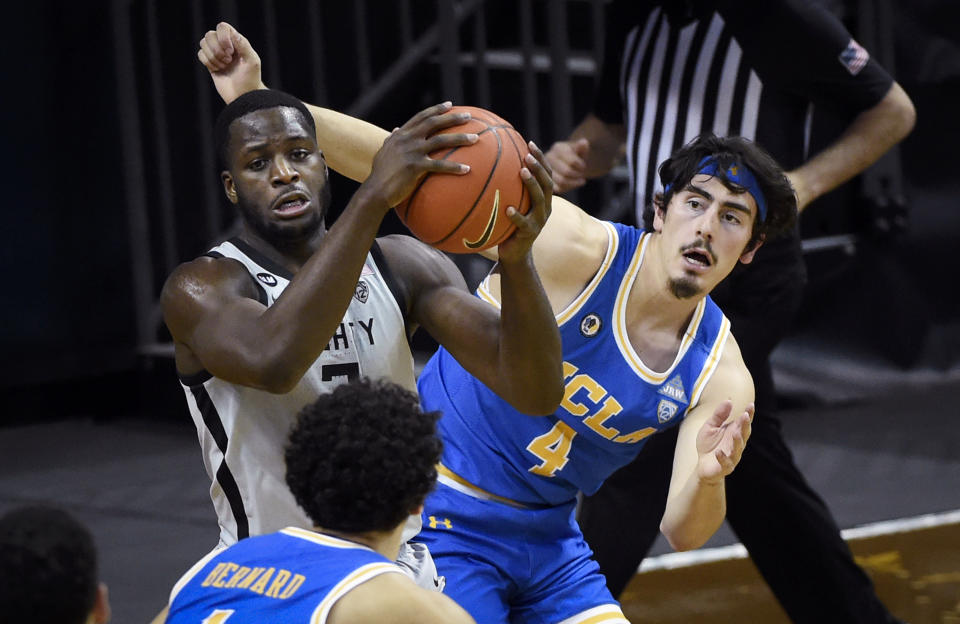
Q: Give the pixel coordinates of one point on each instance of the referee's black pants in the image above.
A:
(784, 525)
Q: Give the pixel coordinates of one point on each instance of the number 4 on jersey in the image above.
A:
(552, 449)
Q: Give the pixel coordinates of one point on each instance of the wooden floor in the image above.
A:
(916, 573)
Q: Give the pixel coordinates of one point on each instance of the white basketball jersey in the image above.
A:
(243, 430)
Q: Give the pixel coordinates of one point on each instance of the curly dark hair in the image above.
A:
(362, 457)
(49, 567)
(677, 171)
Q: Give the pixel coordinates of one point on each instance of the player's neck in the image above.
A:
(387, 543)
(652, 299)
(656, 318)
(290, 254)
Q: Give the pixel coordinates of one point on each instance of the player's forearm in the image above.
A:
(530, 358)
(348, 144)
(871, 134)
(694, 513)
(298, 327)
(606, 144)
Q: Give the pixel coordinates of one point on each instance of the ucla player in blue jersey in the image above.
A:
(644, 349)
(360, 459)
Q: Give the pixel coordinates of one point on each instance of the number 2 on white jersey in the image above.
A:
(552, 449)
(219, 616)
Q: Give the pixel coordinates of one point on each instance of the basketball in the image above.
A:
(468, 213)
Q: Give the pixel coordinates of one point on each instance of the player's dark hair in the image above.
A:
(362, 457)
(249, 102)
(49, 567)
(677, 171)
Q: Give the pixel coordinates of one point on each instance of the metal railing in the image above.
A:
(523, 59)
(353, 56)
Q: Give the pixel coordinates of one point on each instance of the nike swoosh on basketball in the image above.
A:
(488, 231)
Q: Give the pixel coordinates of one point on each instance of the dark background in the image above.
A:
(68, 330)
(93, 423)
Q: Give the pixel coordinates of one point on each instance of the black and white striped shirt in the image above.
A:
(750, 68)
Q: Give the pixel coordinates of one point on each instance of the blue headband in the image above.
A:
(738, 174)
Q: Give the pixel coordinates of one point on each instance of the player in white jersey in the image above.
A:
(242, 430)
(224, 326)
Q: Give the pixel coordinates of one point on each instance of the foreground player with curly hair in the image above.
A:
(360, 459)
(378, 458)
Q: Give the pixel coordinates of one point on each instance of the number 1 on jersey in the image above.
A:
(552, 449)
(219, 616)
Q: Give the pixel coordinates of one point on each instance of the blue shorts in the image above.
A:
(506, 564)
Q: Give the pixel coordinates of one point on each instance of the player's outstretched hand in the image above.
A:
(568, 159)
(537, 177)
(720, 442)
(404, 158)
(232, 62)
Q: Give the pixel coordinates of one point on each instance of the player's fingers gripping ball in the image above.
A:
(468, 213)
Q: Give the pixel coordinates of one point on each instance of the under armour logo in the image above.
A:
(445, 522)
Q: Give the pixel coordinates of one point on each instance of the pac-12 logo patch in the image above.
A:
(267, 279)
(362, 291)
(590, 325)
(666, 410)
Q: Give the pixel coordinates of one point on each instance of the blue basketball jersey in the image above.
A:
(292, 576)
(612, 402)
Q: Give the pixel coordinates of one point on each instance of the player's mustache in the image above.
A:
(703, 244)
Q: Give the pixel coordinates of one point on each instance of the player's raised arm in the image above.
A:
(711, 441)
(348, 143)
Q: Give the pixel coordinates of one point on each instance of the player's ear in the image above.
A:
(747, 256)
(101, 606)
(658, 216)
(229, 187)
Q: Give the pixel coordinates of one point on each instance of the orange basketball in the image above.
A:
(468, 213)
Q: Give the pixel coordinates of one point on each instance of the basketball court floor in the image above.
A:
(914, 564)
(880, 445)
